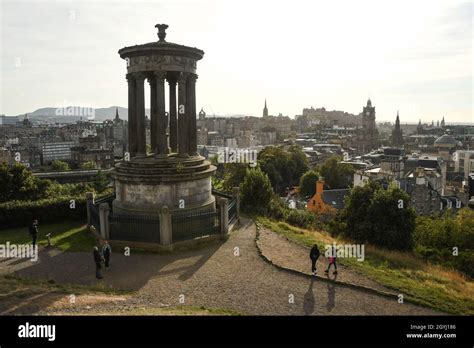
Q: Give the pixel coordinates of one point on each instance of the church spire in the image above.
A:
(265, 109)
(397, 133)
(116, 114)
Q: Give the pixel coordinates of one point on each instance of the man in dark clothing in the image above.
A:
(98, 262)
(106, 252)
(33, 229)
(314, 255)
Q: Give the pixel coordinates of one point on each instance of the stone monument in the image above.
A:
(173, 174)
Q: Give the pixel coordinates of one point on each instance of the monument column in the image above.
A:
(173, 119)
(191, 114)
(132, 116)
(140, 105)
(162, 141)
(153, 115)
(182, 119)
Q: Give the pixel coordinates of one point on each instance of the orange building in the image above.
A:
(326, 201)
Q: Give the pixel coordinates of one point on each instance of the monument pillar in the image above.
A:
(182, 119)
(162, 141)
(191, 114)
(173, 126)
(132, 116)
(153, 115)
(140, 106)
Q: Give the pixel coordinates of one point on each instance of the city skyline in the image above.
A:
(417, 61)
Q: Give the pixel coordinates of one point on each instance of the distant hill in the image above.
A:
(75, 112)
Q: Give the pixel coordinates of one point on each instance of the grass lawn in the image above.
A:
(423, 283)
(67, 236)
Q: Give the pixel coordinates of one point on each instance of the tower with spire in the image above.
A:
(368, 137)
(265, 109)
(442, 123)
(419, 128)
(397, 133)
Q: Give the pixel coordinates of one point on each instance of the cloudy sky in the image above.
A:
(413, 56)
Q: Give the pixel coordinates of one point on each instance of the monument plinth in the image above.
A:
(173, 174)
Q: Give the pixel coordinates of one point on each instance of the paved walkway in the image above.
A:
(284, 253)
(231, 275)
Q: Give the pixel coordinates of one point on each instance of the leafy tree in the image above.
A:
(284, 168)
(6, 186)
(435, 238)
(234, 175)
(308, 183)
(301, 161)
(89, 165)
(18, 183)
(256, 191)
(60, 165)
(378, 216)
(100, 182)
(336, 174)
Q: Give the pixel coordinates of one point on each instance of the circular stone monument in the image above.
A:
(173, 174)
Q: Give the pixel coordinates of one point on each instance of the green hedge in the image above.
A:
(296, 217)
(22, 213)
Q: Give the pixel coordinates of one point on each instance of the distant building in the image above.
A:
(265, 109)
(9, 120)
(103, 158)
(464, 162)
(397, 133)
(367, 137)
(326, 201)
(56, 151)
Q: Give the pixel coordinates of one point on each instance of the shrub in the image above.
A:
(256, 191)
(21, 213)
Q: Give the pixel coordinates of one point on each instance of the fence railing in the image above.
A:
(222, 194)
(94, 216)
(146, 228)
(232, 211)
(191, 226)
(232, 207)
(104, 199)
(135, 228)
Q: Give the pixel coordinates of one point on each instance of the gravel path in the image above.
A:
(231, 275)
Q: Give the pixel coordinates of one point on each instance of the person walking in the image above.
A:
(332, 261)
(98, 258)
(314, 255)
(33, 229)
(106, 252)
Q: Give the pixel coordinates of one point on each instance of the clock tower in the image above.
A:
(368, 117)
(368, 136)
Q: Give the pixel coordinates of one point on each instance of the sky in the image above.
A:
(412, 56)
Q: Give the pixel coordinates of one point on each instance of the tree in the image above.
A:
(308, 183)
(301, 161)
(284, 168)
(234, 175)
(336, 174)
(100, 182)
(378, 216)
(60, 165)
(18, 183)
(256, 191)
(89, 165)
